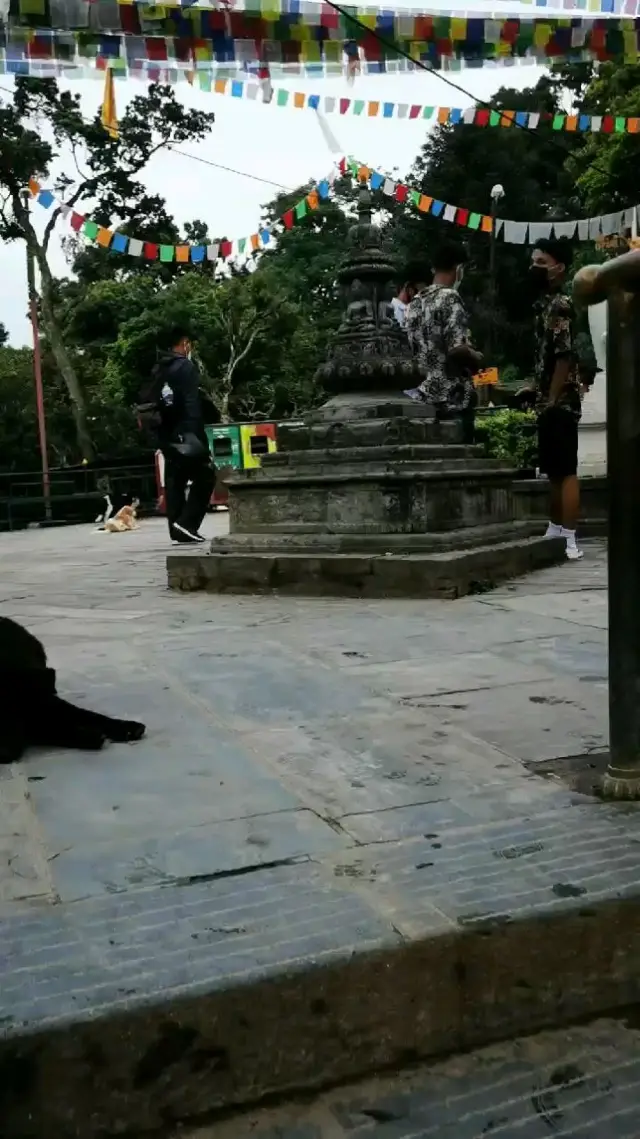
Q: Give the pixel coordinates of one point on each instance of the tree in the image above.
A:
(107, 168)
(605, 168)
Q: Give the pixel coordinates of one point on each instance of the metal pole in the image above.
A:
(37, 371)
(618, 281)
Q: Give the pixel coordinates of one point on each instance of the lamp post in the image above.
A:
(618, 283)
(497, 194)
(37, 371)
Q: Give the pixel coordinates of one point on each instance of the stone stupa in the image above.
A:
(372, 496)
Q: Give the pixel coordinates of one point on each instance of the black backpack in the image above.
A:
(148, 408)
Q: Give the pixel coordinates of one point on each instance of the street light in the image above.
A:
(497, 194)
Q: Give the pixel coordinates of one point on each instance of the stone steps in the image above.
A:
(125, 1014)
(580, 1081)
(445, 574)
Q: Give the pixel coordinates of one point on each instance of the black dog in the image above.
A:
(31, 712)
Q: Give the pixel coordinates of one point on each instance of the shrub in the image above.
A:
(509, 435)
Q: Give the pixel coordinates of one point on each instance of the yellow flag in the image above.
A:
(108, 114)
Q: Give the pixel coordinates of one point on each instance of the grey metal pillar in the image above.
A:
(618, 282)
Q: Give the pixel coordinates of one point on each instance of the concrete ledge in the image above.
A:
(532, 501)
(447, 574)
(221, 1015)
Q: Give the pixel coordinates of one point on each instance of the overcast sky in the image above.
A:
(286, 146)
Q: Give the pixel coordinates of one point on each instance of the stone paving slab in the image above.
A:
(335, 800)
(582, 1083)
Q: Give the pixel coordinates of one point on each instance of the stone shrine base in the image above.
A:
(457, 564)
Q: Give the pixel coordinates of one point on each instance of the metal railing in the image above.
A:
(77, 494)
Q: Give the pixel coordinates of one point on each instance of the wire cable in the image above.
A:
(394, 46)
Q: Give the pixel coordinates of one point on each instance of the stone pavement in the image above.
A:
(335, 800)
(582, 1082)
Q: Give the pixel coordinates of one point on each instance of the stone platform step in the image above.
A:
(134, 1011)
(447, 573)
(581, 1082)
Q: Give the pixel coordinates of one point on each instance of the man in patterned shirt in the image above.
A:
(438, 328)
(558, 399)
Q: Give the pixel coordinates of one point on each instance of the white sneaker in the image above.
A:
(553, 530)
(574, 554)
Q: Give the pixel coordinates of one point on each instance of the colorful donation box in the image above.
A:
(224, 443)
(257, 440)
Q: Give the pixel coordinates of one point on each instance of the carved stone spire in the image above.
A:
(370, 352)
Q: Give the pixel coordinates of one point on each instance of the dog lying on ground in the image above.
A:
(125, 519)
(32, 713)
(119, 516)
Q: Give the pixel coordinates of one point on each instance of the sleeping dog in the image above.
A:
(33, 713)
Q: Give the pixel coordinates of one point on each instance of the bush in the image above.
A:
(509, 435)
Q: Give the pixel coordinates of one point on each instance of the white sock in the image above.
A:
(570, 536)
(553, 530)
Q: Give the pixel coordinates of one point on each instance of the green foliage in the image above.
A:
(261, 335)
(509, 435)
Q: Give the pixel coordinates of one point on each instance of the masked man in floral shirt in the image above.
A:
(438, 329)
(558, 389)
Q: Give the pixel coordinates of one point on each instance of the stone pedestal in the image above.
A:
(383, 506)
(374, 497)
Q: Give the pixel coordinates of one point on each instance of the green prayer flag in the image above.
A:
(242, 243)
(415, 197)
(282, 97)
(301, 209)
(90, 230)
(558, 122)
(474, 221)
(621, 126)
(167, 252)
(358, 106)
(495, 118)
(427, 112)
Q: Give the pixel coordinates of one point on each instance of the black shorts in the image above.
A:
(557, 443)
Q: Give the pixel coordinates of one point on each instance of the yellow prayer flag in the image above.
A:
(108, 116)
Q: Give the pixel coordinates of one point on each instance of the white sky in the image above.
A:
(281, 144)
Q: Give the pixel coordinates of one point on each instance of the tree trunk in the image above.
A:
(63, 360)
(224, 398)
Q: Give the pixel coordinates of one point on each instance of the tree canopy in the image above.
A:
(261, 329)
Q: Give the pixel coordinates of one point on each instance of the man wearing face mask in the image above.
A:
(557, 384)
(173, 394)
(438, 328)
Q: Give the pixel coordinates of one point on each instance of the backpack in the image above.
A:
(150, 404)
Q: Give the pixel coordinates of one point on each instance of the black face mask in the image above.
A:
(538, 278)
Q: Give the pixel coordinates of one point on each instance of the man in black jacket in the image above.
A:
(182, 438)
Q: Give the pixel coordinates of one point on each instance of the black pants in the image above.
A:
(187, 509)
(557, 443)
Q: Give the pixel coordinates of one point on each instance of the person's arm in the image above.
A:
(456, 331)
(561, 346)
